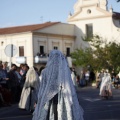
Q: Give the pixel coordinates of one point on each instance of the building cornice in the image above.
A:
(13, 34)
(105, 14)
(54, 35)
(88, 18)
(103, 11)
(81, 10)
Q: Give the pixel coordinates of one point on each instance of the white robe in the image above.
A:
(73, 79)
(105, 85)
(29, 96)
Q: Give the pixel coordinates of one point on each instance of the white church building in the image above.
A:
(34, 42)
(93, 17)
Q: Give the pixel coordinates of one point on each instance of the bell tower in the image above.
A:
(82, 3)
(103, 4)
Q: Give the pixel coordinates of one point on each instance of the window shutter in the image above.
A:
(21, 50)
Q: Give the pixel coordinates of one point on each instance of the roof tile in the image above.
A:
(26, 28)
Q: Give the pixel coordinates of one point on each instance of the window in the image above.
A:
(2, 43)
(67, 51)
(21, 50)
(55, 48)
(41, 49)
(88, 11)
(89, 30)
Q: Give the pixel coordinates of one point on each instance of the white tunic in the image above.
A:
(30, 90)
(105, 85)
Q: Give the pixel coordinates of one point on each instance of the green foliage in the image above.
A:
(113, 52)
(82, 57)
(96, 41)
(102, 55)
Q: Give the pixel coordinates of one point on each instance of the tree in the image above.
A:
(82, 57)
(113, 52)
(100, 55)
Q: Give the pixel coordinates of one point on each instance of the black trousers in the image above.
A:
(54, 100)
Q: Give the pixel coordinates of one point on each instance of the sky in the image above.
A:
(24, 12)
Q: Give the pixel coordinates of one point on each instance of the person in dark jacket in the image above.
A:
(25, 68)
(12, 83)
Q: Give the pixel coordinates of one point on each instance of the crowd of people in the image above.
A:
(83, 79)
(51, 92)
(115, 78)
(106, 81)
(48, 94)
(11, 82)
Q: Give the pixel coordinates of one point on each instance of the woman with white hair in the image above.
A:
(57, 99)
(30, 90)
(106, 85)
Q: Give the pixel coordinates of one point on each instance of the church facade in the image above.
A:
(93, 17)
(34, 42)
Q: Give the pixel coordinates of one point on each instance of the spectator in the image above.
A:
(113, 74)
(25, 68)
(40, 70)
(92, 75)
(99, 78)
(82, 78)
(5, 66)
(87, 77)
(21, 69)
(13, 82)
(2, 104)
(6, 96)
(36, 69)
(3, 76)
(73, 76)
(18, 78)
(116, 81)
(78, 80)
(5, 69)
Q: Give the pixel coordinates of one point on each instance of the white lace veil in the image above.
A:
(57, 76)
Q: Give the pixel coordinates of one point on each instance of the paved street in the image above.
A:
(94, 107)
(13, 113)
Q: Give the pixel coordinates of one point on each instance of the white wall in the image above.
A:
(56, 38)
(102, 24)
(60, 28)
(50, 42)
(22, 39)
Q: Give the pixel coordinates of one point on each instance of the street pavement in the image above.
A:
(94, 107)
(13, 113)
